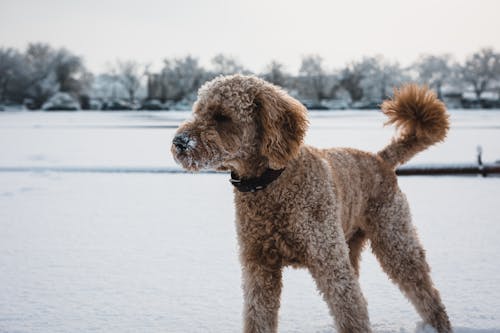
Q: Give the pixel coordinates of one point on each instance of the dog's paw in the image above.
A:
(424, 328)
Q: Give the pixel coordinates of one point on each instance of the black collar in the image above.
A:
(257, 183)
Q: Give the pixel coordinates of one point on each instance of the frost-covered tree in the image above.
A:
(481, 69)
(314, 77)
(40, 61)
(371, 78)
(71, 74)
(434, 70)
(42, 71)
(350, 78)
(181, 78)
(106, 87)
(275, 73)
(39, 73)
(129, 74)
(13, 76)
(380, 77)
(225, 65)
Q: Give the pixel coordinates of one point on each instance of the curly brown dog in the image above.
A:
(314, 208)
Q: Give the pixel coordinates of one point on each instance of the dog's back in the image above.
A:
(359, 178)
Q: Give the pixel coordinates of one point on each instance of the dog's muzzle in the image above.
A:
(181, 142)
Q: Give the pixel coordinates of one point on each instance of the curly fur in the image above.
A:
(325, 206)
(420, 118)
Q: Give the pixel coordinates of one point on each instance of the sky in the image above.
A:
(254, 32)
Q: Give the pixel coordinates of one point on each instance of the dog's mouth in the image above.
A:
(191, 160)
(195, 154)
(183, 150)
(185, 159)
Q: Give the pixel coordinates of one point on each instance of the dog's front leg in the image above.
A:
(329, 265)
(262, 290)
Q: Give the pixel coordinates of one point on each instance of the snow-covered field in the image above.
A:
(91, 252)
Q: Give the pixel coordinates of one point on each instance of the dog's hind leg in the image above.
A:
(395, 244)
(356, 245)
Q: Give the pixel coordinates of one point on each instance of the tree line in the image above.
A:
(33, 75)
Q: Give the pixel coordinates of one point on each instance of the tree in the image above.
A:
(313, 73)
(71, 75)
(40, 60)
(129, 74)
(350, 79)
(12, 75)
(226, 65)
(40, 72)
(275, 74)
(106, 87)
(181, 77)
(371, 78)
(380, 77)
(481, 69)
(434, 71)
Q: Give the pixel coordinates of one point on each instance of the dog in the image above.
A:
(300, 206)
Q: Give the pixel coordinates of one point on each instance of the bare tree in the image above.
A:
(181, 77)
(481, 69)
(275, 73)
(314, 75)
(350, 79)
(106, 87)
(380, 77)
(434, 71)
(371, 78)
(129, 74)
(223, 64)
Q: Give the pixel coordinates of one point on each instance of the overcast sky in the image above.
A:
(253, 31)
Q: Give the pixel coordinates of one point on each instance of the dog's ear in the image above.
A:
(284, 124)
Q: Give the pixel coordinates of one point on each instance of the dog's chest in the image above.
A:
(268, 236)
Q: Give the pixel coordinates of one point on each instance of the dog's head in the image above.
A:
(240, 123)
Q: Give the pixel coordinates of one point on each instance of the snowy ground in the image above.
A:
(86, 252)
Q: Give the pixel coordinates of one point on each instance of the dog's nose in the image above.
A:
(181, 142)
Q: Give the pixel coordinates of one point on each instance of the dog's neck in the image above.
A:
(253, 174)
(246, 168)
(255, 184)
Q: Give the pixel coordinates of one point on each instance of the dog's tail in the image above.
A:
(420, 118)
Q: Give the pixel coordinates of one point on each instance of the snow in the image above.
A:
(144, 252)
(143, 138)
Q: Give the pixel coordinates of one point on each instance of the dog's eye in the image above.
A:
(220, 118)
